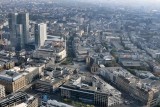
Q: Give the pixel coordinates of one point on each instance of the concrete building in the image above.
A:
(2, 91)
(144, 90)
(40, 34)
(6, 64)
(12, 80)
(19, 99)
(31, 74)
(54, 47)
(92, 90)
(53, 79)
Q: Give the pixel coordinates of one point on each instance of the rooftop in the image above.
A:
(30, 69)
(145, 84)
(90, 83)
(55, 103)
(10, 75)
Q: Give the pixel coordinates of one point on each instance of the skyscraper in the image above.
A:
(19, 28)
(23, 18)
(40, 34)
(12, 18)
(19, 37)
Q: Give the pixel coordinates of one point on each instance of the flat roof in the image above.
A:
(21, 105)
(10, 75)
(30, 69)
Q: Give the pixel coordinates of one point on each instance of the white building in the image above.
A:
(54, 47)
(54, 103)
(22, 105)
(40, 34)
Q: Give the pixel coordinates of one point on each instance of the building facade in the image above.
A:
(134, 86)
(2, 91)
(12, 19)
(23, 18)
(19, 36)
(40, 34)
(19, 29)
(12, 81)
(88, 96)
(19, 99)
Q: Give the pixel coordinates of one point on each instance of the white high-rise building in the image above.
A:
(40, 34)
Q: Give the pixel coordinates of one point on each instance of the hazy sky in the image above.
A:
(126, 1)
(145, 3)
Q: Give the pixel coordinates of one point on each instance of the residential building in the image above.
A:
(144, 90)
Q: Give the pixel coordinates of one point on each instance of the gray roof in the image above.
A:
(10, 75)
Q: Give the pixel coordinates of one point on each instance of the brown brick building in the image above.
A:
(12, 80)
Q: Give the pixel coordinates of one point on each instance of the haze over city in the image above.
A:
(79, 53)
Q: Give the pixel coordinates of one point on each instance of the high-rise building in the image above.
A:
(19, 21)
(40, 34)
(23, 18)
(12, 18)
(19, 36)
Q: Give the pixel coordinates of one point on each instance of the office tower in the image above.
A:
(40, 34)
(19, 37)
(12, 19)
(19, 99)
(19, 21)
(23, 18)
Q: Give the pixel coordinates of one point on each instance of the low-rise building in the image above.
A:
(12, 80)
(92, 90)
(30, 73)
(144, 90)
(53, 79)
(6, 64)
(19, 99)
